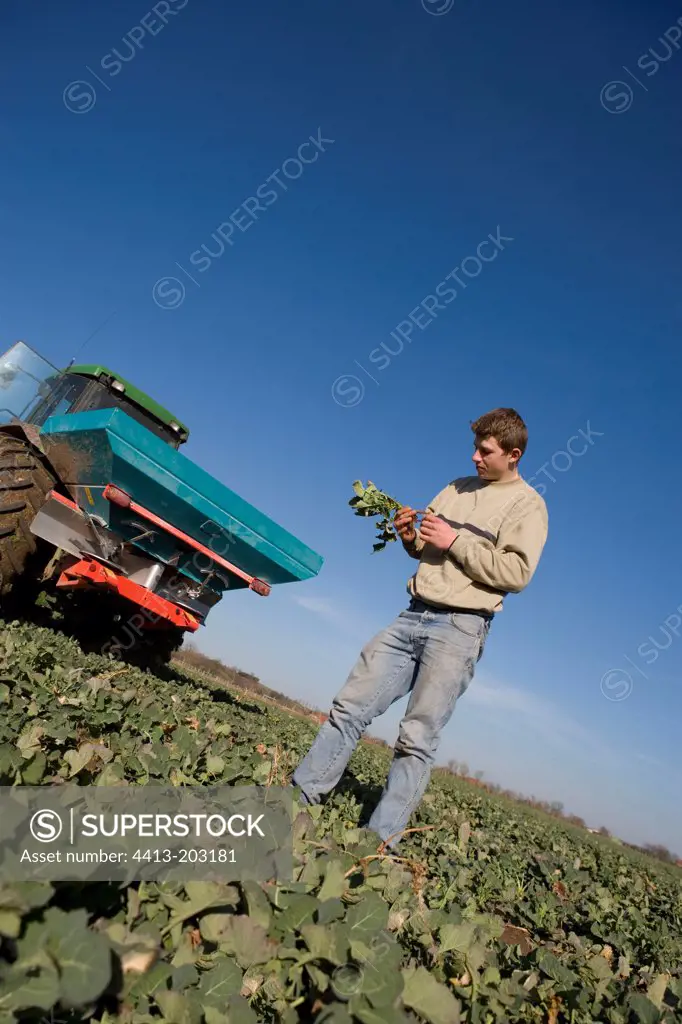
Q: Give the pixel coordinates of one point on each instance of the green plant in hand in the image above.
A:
(370, 501)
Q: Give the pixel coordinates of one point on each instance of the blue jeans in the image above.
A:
(431, 654)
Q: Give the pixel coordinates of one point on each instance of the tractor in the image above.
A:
(104, 518)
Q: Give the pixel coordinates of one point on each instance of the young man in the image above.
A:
(480, 539)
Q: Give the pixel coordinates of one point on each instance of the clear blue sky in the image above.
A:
(446, 128)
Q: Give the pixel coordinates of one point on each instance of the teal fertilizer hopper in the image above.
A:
(97, 498)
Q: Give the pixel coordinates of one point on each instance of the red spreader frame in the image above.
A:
(87, 571)
(118, 497)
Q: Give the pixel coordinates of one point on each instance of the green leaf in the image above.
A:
(330, 910)
(368, 916)
(215, 764)
(26, 895)
(77, 759)
(202, 896)
(657, 989)
(335, 1014)
(457, 936)
(644, 1009)
(211, 894)
(239, 1011)
(147, 984)
(318, 977)
(35, 984)
(213, 926)
(384, 1015)
(34, 770)
(218, 984)
(83, 956)
(300, 910)
(184, 976)
(257, 905)
(429, 997)
(29, 741)
(214, 1016)
(381, 987)
(326, 942)
(261, 773)
(599, 966)
(335, 883)
(10, 923)
(245, 940)
(128, 943)
(113, 774)
(383, 954)
(553, 968)
(185, 952)
(176, 1007)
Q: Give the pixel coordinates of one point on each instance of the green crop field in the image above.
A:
(492, 912)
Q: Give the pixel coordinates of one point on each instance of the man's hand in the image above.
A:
(436, 532)
(404, 521)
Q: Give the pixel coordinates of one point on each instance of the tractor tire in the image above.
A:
(152, 650)
(102, 623)
(24, 485)
(155, 652)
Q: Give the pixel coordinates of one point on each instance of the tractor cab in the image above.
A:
(38, 390)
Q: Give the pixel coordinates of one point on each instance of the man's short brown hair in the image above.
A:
(505, 426)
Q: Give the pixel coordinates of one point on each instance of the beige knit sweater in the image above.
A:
(501, 531)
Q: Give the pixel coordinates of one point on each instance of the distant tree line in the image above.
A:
(555, 808)
(657, 851)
